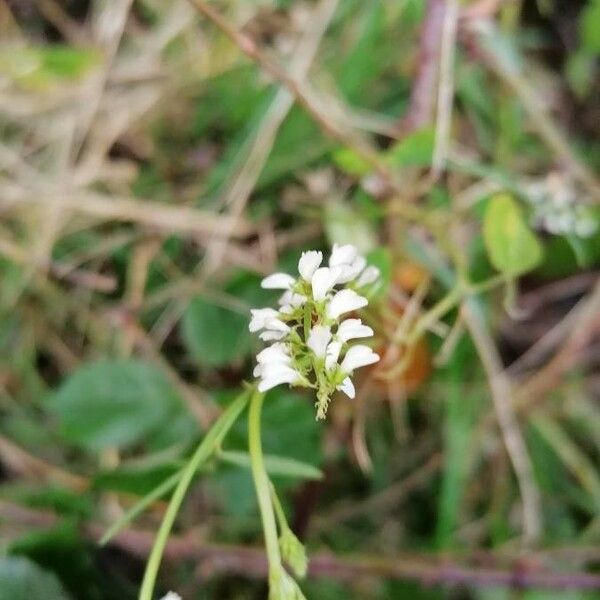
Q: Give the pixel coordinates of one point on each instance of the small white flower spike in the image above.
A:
(345, 301)
(171, 596)
(309, 262)
(278, 281)
(319, 338)
(309, 337)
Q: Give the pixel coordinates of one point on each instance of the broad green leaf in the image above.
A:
(22, 579)
(512, 246)
(217, 334)
(415, 150)
(111, 403)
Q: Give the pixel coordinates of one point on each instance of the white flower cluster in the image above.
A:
(171, 596)
(557, 207)
(310, 340)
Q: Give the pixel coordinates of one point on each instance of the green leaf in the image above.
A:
(590, 26)
(112, 403)
(351, 162)
(22, 579)
(217, 334)
(344, 225)
(275, 465)
(512, 246)
(415, 150)
(182, 478)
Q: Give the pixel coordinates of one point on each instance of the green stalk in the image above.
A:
(262, 484)
(209, 444)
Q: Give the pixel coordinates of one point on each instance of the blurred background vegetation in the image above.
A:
(158, 158)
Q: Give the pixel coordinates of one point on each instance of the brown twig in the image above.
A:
(304, 98)
(247, 561)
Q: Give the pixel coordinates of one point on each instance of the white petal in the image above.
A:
(322, 281)
(369, 275)
(278, 281)
(353, 328)
(347, 387)
(342, 255)
(270, 335)
(309, 262)
(259, 318)
(345, 301)
(358, 356)
(171, 596)
(292, 299)
(258, 371)
(277, 352)
(277, 377)
(332, 354)
(275, 324)
(318, 339)
(351, 271)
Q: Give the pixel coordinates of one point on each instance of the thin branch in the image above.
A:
(247, 45)
(422, 96)
(445, 89)
(502, 396)
(238, 193)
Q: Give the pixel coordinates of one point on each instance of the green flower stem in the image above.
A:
(209, 444)
(262, 484)
(283, 524)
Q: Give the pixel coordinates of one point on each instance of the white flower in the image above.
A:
(323, 280)
(342, 255)
(318, 339)
(292, 299)
(307, 332)
(273, 374)
(353, 328)
(260, 316)
(278, 281)
(171, 596)
(309, 262)
(369, 275)
(344, 301)
(269, 335)
(358, 356)
(274, 329)
(351, 271)
(347, 387)
(332, 354)
(275, 353)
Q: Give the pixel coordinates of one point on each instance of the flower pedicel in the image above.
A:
(310, 341)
